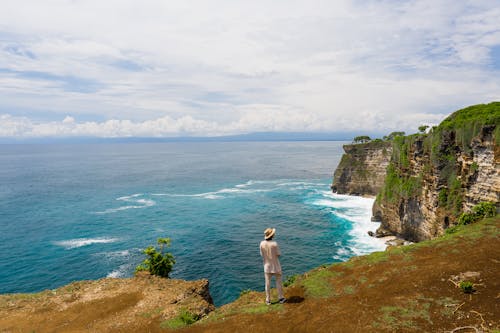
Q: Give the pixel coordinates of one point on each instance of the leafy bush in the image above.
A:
(479, 211)
(158, 261)
(484, 209)
(466, 218)
(467, 287)
(362, 139)
(393, 135)
(423, 128)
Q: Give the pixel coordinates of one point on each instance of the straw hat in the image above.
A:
(269, 233)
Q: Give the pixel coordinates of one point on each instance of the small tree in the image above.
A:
(423, 128)
(158, 262)
(391, 136)
(361, 139)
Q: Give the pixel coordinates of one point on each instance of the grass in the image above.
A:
(152, 313)
(318, 283)
(184, 318)
(349, 290)
(405, 316)
(262, 308)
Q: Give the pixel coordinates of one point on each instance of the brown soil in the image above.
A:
(405, 289)
(107, 305)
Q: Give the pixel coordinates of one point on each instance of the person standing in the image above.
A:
(270, 252)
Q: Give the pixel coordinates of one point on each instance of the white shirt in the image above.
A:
(270, 251)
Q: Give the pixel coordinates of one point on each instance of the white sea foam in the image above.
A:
(343, 254)
(134, 198)
(300, 184)
(121, 271)
(114, 254)
(357, 210)
(220, 194)
(79, 242)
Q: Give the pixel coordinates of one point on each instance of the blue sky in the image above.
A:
(121, 68)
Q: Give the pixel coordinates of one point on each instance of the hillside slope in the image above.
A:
(404, 289)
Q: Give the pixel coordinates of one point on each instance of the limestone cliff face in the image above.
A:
(431, 179)
(482, 180)
(362, 168)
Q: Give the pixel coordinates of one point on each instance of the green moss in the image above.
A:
(405, 316)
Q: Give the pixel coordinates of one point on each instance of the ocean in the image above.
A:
(86, 211)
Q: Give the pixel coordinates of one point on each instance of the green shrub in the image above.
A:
(479, 211)
(361, 139)
(443, 197)
(474, 167)
(466, 218)
(467, 287)
(485, 209)
(158, 262)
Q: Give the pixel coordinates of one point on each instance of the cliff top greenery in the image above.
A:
(486, 114)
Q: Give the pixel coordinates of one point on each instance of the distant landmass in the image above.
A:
(257, 136)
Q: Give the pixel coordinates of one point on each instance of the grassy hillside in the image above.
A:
(405, 289)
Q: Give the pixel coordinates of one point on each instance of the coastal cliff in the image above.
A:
(361, 170)
(424, 181)
(432, 178)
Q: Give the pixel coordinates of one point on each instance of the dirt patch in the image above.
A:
(107, 305)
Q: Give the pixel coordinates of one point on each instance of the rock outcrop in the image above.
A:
(362, 168)
(110, 304)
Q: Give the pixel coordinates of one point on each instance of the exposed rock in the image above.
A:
(483, 181)
(466, 276)
(381, 232)
(362, 168)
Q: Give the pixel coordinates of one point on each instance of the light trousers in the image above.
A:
(279, 286)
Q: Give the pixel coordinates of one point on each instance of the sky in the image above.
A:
(161, 68)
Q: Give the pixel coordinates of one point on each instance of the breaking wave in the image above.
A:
(79, 242)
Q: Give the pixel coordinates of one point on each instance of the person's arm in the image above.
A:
(260, 248)
(278, 252)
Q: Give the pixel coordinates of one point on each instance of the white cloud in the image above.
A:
(157, 68)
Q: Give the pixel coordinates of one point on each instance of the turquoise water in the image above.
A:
(76, 212)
